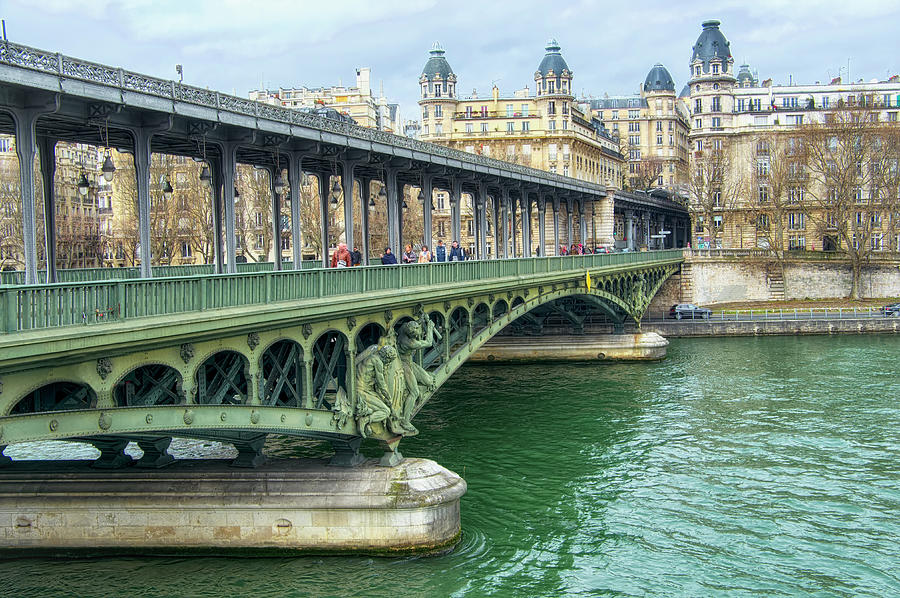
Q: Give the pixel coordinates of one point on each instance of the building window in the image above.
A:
(552, 151)
(551, 108)
(763, 194)
(565, 125)
(468, 127)
(425, 112)
(524, 110)
(425, 131)
(484, 111)
(698, 123)
(510, 127)
(796, 242)
(185, 250)
(551, 126)
(484, 127)
(698, 106)
(796, 221)
(717, 222)
(659, 140)
(525, 126)
(715, 69)
(438, 111)
(716, 104)
(878, 242)
(566, 170)
(439, 129)
(634, 139)
(762, 221)
(716, 122)
(468, 112)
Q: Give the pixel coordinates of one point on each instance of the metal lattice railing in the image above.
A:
(66, 304)
(82, 70)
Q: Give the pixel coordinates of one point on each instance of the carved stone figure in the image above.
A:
(380, 390)
(415, 335)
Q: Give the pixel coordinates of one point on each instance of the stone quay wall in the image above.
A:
(706, 280)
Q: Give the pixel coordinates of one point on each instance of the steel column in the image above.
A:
(295, 179)
(498, 234)
(570, 223)
(504, 218)
(556, 242)
(582, 223)
(324, 177)
(142, 137)
(228, 164)
(455, 209)
(276, 218)
(393, 209)
(348, 168)
(48, 171)
(542, 227)
(526, 223)
(428, 191)
(217, 182)
(25, 120)
(365, 188)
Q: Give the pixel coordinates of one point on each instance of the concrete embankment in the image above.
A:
(588, 347)
(673, 329)
(291, 506)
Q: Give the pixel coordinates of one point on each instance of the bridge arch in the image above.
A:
(330, 359)
(149, 384)
(281, 371)
(368, 334)
(60, 395)
(223, 378)
(481, 318)
(500, 308)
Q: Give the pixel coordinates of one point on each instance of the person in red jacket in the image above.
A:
(341, 257)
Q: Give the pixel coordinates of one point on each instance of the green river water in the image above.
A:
(735, 467)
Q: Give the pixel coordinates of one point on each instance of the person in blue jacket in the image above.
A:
(388, 256)
(457, 254)
(440, 251)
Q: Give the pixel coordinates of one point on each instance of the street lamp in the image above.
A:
(421, 196)
(372, 200)
(206, 175)
(83, 186)
(168, 190)
(108, 168)
(279, 183)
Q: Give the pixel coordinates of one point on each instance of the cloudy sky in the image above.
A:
(233, 45)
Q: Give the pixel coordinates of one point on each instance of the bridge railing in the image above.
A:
(97, 274)
(40, 306)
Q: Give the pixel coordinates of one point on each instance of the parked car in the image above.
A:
(892, 310)
(689, 311)
(602, 249)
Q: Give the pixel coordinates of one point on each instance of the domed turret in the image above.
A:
(659, 79)
(745, 77)
(437, 79)
(711, 48)
(553, 75)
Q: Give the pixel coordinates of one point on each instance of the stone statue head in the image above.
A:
(411, 329)
(387, 353)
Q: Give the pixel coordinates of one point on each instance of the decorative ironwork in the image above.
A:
(187, 352)
(351, 323)
(104, 421)
(104, 367)
(306, 329)
(388, 316)
(253, 340)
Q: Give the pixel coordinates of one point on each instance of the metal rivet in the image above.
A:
(149, 418)
(104, 422)
(188, 417)
(254, 417)
(309, 419)
(53, 425)
(283, 418)
(223, 416)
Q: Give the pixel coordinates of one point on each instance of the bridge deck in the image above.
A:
(57, 305)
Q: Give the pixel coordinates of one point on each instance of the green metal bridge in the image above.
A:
(334, 354)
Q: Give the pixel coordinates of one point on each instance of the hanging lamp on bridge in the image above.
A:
(108, 168)
(372, 200)
(83, 185)
(206, 175)
(279, 183)
(168, 190)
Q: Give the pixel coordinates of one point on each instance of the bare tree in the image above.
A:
(775, 195)
(646, 173)
(851, 158)
(714, 186)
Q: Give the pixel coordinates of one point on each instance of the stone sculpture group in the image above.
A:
(389, 382)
